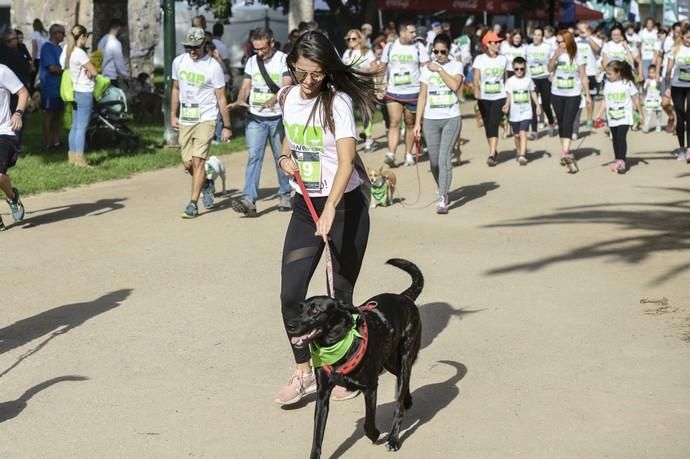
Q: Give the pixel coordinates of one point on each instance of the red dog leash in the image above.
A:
(315, 217)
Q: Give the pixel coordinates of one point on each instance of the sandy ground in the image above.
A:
(126, 331)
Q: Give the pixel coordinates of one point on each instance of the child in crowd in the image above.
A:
(620, 95)
(520, 94)
(652, 99)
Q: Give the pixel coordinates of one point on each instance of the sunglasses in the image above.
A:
(560, 41)
(519, 69)
(192, 48)
(494, 42)
(301, 75)
(440, 51)
(352, 38)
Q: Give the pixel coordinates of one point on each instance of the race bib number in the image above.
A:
(521, 96)
(401, 79)
(537, 70)
(492, 88)
(652, 104)
(616, 114)
(684, 75)
(261, 95)
(309, 163)
(190, 113)
(442, 99)
(565, 83)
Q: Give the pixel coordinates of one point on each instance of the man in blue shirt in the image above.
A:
(50, 74)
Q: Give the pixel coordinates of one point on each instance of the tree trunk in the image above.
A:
(300, 10)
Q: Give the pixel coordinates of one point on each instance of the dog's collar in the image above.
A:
(352, 362)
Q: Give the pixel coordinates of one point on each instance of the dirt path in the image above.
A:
(128, 332)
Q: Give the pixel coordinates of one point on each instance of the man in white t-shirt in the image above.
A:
(401, 61)
(10, 124)
(264, 120)
(218, 31)
(199, 93)
(113, 57)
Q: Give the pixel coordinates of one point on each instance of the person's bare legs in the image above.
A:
(409, 134)
(198, 176)
(47, 133)
(6, 186)
(493, 145)
(395, 113)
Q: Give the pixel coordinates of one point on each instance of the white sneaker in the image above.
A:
(389, 159)
(442, 205)
(409, 159)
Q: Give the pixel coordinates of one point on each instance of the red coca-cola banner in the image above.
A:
(457, 6)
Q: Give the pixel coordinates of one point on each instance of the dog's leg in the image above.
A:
(370, 429)
(222, 177)
(323, 395)
(409, 350)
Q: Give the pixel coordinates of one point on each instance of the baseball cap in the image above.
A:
(490, 36)
(436, 24)
(195, 37)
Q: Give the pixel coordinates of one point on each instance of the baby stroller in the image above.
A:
(108, 127)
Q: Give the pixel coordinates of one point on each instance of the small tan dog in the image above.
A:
(382, 187)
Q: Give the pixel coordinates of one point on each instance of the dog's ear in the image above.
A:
(345, 306)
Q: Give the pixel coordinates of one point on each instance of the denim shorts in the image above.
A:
(408, 101)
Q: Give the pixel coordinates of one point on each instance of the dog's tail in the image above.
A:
(410, 268)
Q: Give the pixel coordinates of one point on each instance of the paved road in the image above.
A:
(128, 332)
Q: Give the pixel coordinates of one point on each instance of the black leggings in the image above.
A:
(543, 87)
(492, 114)
(566, 108)
(620, 145)
(302, 252)
(680, 97)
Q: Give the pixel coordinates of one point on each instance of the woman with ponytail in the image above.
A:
(320, 141)
(76, 61)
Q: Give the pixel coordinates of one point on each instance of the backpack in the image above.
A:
(66, 86)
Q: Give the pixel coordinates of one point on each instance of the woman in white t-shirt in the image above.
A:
(38, 38)
(617, 49)
(438, 103)
(361, 58)
(678, 89)
(620, 97)
(320, 141)
(513, 48)
(569, 83)
(75, 60)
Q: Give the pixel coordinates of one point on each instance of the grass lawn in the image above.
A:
(40, 170)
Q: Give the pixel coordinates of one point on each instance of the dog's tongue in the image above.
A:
(298, 340)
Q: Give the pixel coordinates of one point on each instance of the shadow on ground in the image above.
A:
(427, 400)
(55, 322)
(655, 227)
(461, 196)
(57, 214)
(12, 409)
(436, 317)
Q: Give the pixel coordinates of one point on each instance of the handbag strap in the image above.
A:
(267, 78)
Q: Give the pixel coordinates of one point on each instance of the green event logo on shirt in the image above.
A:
(191, 78)
(305, 137)
(566, 67)
(493, 71)
(402, 58)
(616, 97)
(257, 78)
(683, 60)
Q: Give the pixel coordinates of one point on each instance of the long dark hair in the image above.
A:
(623, 69)
(314, 45)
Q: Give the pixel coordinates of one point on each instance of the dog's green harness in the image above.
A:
(328, 355)
(380, 193)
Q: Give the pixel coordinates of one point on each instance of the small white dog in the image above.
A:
(215, 169)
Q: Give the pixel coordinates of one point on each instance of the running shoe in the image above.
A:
(389, 159)
(533, 135)
(442, 205)
(589, 124)
(244, 206)
(682, 155)
(207, 198)
(284, 204)
(574, 136)
(571, 163)
(191, 211)
(552, 130)
(522, 160)
(658, 128)
(299, 386)
(620, 166)
(491, 161)
(16, 206)
(370, 146)
(409, 159)
(564, 158)
(340, 394)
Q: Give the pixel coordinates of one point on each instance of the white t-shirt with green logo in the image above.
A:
(538, 60)
(585, 49)
(649, 43)
(441, 102)
(616, 51)
(403, 66)
(619, 107)
(260, 92)
(312, 146)
(566, 76)
(358, 61)
(680, 74)
(491, 72)
(511, 52)
(520, 90)
(198, 81)
(652, 99)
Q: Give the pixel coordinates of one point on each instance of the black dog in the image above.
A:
(387, 332)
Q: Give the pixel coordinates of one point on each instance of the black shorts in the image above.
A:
(8, 152)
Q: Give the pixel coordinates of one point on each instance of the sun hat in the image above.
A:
(195, 37)
(490, 36)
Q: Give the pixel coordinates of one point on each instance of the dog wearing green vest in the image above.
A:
(351, 346)
(382, 187)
